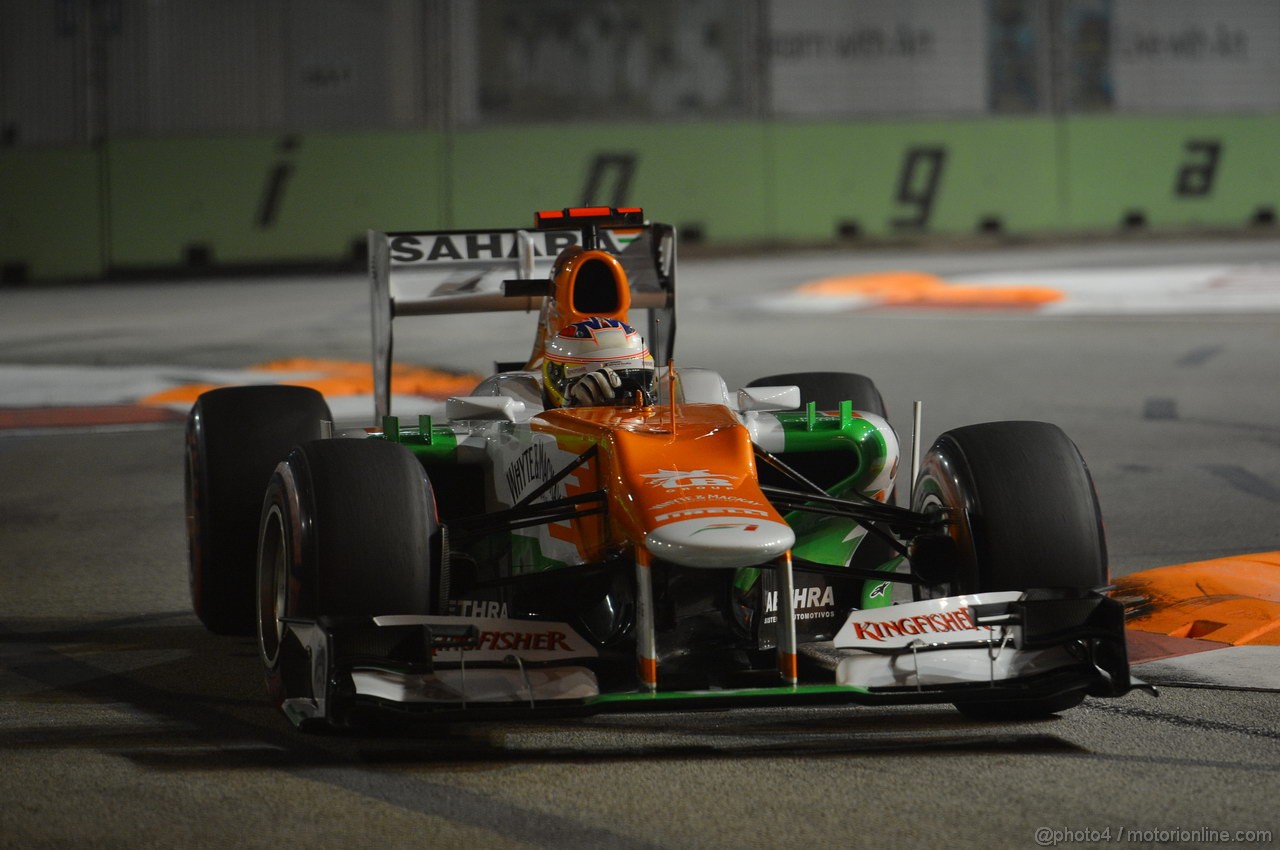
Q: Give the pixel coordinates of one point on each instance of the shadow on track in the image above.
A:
(161, 691)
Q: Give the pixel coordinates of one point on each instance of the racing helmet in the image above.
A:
(590, 345)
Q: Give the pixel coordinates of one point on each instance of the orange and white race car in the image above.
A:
(596, 528)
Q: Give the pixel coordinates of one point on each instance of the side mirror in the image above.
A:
(768, 398)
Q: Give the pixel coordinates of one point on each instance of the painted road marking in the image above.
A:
(333, 378)
(1239, 667)
(1116, 291)
(917, 289)
(84, 416)
(1233, 601)
(40, 398)
(1147, 646)
(1206, 624)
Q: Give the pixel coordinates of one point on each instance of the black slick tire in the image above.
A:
(828, 389)
(235, 437)
(1027, 516)
(348, 528)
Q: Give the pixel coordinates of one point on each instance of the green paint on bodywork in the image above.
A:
(885, 597)
(430, 444)
(815, 431)
(744, 578)
(820, 538)
(828, 539)
(527, 556)
(824, 539)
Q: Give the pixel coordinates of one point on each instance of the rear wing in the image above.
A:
(441, 272)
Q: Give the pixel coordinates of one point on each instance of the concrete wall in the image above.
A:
(168, 203)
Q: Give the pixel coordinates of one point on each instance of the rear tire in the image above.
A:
(235, 437)
(348, 528)
(1028, 518)
(826, 390)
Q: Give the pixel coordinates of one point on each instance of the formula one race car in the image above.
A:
(570, 543)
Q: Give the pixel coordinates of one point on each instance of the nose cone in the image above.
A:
(720, 542)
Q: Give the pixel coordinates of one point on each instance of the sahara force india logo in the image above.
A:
(488, 246)
(674, 479)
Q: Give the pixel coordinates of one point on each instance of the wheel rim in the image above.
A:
(192, 480)
(932, 591)
(273, 586)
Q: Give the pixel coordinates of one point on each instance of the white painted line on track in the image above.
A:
(71, 386)
(1175, 289)
(50, 386)
(1249, 667)
(1150, 291)
(96, 430)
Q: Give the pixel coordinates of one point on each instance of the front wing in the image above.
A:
(985, 648)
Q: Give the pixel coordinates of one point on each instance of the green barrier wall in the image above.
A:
(266, 200)
(712, 177)
(51, 222)
(170, 203)
(1174, 171)
(885, 178)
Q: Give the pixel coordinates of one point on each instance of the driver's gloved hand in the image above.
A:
(593, 388)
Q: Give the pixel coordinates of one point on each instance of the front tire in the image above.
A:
(1024, 515)
(348, 528)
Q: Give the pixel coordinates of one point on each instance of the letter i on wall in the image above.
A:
(277, 180)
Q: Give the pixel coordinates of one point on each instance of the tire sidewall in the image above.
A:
(234, 438)
(1014, 489)
(347, 529)
(1024, 511)
(828, 389)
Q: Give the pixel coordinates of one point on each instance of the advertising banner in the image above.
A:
(1192, 56)
(829, 58)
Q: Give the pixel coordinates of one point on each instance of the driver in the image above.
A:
(596, 361)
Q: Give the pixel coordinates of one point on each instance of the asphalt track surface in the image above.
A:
(124, 724)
